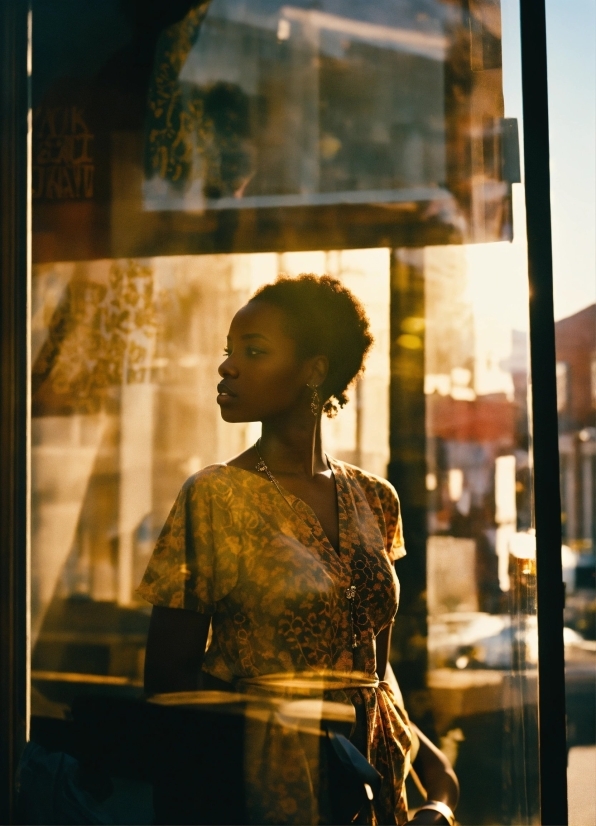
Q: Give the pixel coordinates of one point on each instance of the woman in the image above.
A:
(283, 553)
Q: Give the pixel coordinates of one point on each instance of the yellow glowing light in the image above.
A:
(412, 324)
(410, 342)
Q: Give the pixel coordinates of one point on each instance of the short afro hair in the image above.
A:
(324, 318)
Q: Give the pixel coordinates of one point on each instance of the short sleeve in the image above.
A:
(396, 548)
(195, 561)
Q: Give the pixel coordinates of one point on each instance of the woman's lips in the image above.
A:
(224, 394)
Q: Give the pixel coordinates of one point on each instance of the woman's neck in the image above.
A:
(293, 447)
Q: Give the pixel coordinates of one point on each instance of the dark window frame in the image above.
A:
(14, 405)
(547, 496)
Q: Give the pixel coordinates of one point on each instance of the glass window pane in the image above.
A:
(186, 154)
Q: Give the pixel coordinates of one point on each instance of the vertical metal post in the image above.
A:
(407, 468)
(14, 104)
(551, 666)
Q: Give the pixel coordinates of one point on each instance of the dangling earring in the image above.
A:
(314, 402)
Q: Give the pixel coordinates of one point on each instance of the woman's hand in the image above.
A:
(436, 774)
(439, 780)
(432, 767)
(426, 817)
(175, 649)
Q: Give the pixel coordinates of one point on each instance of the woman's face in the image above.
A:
(261, 375)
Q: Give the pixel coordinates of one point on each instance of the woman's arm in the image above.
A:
(438, 778)
(431, 765)
(175, 649)
(382, 647)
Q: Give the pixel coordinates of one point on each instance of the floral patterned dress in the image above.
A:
(261, 565)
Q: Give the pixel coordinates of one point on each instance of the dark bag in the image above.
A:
(352, 781)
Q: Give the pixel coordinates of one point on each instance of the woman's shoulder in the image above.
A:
(369, 482)
(383, 501)
(215, 476)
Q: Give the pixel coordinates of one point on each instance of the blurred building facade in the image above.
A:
(576, 401)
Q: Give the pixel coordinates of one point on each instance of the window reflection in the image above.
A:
(124, 413)
(474, 485)
(193, 153)
(124, 387)
(228, 126)
(283, 106)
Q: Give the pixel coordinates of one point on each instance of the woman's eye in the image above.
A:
(253, 351)
(226, 351)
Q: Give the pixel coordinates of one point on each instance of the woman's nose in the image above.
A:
(227, 368)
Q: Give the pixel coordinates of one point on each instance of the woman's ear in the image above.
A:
(319, 370)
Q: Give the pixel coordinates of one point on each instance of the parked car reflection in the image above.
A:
(477, 640)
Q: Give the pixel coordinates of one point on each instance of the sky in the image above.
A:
(571, 39)
(571, 36)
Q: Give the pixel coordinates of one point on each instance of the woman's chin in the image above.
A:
(232, 416)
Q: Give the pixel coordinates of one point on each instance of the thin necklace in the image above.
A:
(350, 592)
